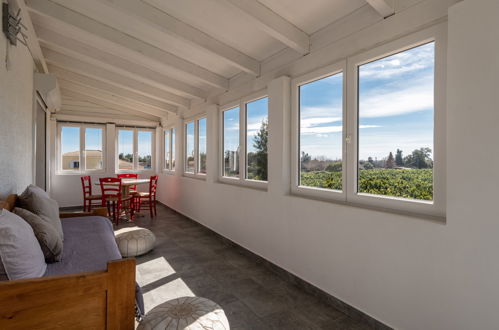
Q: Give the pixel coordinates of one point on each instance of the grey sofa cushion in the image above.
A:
(20, 251)
(37, 201)
(45, 233)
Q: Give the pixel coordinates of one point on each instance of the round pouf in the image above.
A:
(134, 241)
(185, 313)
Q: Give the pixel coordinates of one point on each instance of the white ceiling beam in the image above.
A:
(32, 40)
(92, 64)
(123, 120)
(90, 82)
(152, 24)
(120, 43)
(274, 25)
(384, 8)
(109, 98)
(105, 104)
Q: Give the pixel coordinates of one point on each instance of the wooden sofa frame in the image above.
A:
(93, 300)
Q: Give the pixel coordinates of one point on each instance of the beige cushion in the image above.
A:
(45, 233)
(185, 313)
(37, 201)
(20, 252)
(134, 241)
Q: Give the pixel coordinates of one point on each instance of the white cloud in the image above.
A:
(318, 131)
(314, 121)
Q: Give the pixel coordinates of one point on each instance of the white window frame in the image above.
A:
(135, 131)
(241, 179)
(82, 169)
(195, 120)
(170, 169)
(350, 196)
(330, 70)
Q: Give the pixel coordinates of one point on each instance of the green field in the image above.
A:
(406, 183)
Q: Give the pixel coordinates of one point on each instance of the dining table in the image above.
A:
(125, 187)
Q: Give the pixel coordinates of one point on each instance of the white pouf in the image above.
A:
(134, 241)
(185, 313)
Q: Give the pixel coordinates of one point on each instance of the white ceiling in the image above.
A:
(158, 55)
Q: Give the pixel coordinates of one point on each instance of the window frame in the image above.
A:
(135, 149)
(241, 178)
(82, 169)
(350, 196)
(195, 120)
(171, 169)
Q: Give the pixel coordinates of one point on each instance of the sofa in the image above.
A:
(91, 286)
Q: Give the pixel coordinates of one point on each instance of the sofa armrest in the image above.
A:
(101, 211)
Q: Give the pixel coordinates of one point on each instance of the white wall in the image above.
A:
(407, 272)
(16, 118)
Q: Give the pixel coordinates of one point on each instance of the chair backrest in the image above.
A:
(86, 184)
(153, 185)
(110, 187)
(129, 176)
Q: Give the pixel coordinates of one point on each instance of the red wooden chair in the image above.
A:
(88, 198)
(133, 189)
(112, 198)
(148, 197)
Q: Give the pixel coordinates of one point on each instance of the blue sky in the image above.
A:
(395, 107)
(70, 137)
(231, 129)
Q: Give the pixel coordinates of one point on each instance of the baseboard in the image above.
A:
(338, 304)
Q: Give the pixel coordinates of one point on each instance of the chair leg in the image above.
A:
(155, 209)
(150, 208)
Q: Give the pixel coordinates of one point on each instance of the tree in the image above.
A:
(399, 160)
(419, 158)
(390, 161)
(305, 159)
(370, 160)
(260, 142)
(334, 167)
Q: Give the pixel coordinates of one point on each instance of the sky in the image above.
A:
(70, 137)
(395, 107)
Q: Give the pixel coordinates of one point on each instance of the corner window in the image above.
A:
(195, 147)
(81, 147)
(134, 148)
(257, 135)
(169, 164)
(231, 143)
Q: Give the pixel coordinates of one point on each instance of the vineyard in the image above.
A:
(406, 183)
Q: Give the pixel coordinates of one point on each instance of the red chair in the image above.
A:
(148, 197)
(133, 189)
(112, 198)
(88, 198)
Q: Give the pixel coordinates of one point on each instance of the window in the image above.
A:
(189, 147)
(321, 133)
(195, 147)
(135, 149)
(384, 144)
(257, 132)
(81, 147)
(231, 142)
(395, 130)
(245, 138)
(170, 149)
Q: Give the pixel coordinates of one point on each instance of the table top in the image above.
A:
(126, 182)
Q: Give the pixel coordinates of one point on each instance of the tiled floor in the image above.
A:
(189, 260)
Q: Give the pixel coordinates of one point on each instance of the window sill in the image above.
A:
(253, 184)
(198, 176)
(168, 172)
(74, 173)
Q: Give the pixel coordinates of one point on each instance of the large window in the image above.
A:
(195, 147)
(81, 147)
(245, 139)
(395, 134)
(321, 133)
(135, 146)
(170, 149)
(383, 145)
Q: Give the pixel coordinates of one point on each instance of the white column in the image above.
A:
(179, 146)
(111, 165)
(279, 161)
(212, 147)
(160, 150)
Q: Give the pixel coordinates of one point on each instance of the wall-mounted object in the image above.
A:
(12, 26)
(48, 89)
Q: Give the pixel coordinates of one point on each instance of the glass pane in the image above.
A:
(202, 145)
(125, 149)
(173, 149)
(93, 149)
(256, 139)
(231, 142)
(70, 148)
(189, 147)
(167, 150)
(144, 144)
(396, 125)
(321, 133)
